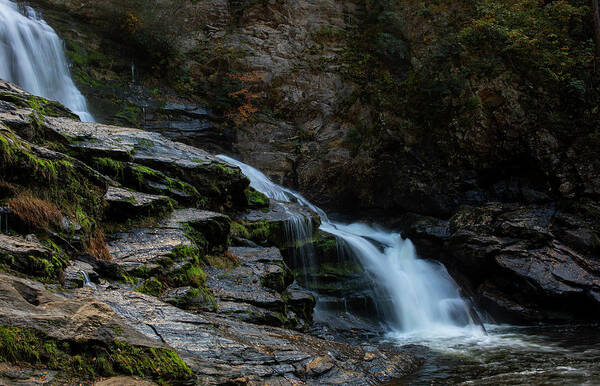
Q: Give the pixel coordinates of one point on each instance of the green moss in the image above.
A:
(130, 115)
(143, 272)
(75, 190)
(185, 253)
(44, 268)
(344, 268)
(109, 166)
(41, 105)
(196, 298)
(326, 244)
(239, 230)
(151, 287)
(89, 360)
(256, 199)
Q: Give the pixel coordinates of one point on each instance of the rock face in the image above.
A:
(123, 201)
(523, 263)
(148, 247)
(258, 290)
(27, 304)
(329, 126)
(212, 178)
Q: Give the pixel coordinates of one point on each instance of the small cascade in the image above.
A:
(298, 230)
(32, 56)
(414, 296)
(86, 280)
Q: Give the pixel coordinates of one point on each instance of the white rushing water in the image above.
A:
(32, 56)
(422, 299)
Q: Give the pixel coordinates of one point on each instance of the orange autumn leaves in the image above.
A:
(246, 96)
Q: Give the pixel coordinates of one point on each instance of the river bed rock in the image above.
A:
(222, 350)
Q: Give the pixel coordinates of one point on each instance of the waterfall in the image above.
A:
(32, 56)
(416, 296)
(86, 280)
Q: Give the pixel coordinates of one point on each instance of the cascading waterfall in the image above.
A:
(421, 297)
(32, 56)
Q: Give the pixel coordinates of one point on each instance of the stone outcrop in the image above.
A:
(522, 263)
(220, 349)
(139, 278)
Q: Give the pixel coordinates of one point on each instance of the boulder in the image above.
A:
(147, 248)
(256, 289)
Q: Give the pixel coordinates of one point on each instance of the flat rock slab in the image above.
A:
(244, 284)
(248, 282)
(222, 350)
(220, 182)
(147, 246)
(18, 246)
(258, 289)
(281, 212)
(123, 201)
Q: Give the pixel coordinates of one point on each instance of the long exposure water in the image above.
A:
(427, 315)
(32, 56)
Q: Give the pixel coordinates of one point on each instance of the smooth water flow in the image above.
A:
(418, 297)
(32, 56)
(86, 280)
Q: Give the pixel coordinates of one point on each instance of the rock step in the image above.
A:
(186, 228)
(222, 184)
(276, 225)
(124, 204)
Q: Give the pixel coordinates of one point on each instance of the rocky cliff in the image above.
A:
(471, 126)
(124, 253)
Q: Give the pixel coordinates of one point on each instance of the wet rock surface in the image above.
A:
(126, 203)
(148, 247)
(27, 304)
(214, 179)
(151, 254)
(219, 349)
(524, 263)
(257, 290)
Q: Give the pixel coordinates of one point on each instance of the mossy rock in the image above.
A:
(90, 360)
(151, 287)
(41, 105)
(32, 258)
(70, 185)
(148, 180)
(256, 200)
(190, 298)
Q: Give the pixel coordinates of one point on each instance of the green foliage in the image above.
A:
(75, 189)
(469, 60)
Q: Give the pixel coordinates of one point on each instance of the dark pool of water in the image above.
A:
(507, 355)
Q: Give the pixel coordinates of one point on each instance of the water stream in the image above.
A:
(424, 313)
(32, 56)
(416, 296)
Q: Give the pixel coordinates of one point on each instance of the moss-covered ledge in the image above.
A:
(80, 361)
